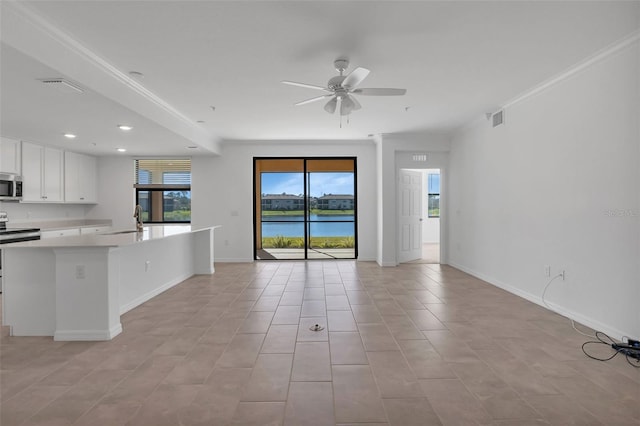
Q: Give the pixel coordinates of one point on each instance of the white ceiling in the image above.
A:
(457, 60)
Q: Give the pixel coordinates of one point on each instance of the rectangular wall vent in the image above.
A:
(498, 118)
(62, 85)
(420, 157)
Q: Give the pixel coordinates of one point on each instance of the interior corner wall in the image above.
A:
(222, 191)
(558, 184)
(379, 200)
(116, 196)
(395, 152)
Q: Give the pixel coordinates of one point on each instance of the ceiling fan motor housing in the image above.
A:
(336, 82)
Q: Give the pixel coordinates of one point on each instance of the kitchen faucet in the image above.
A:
(137, 213)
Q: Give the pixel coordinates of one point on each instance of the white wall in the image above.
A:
(116, 196)
(26, 212)
(558, 184)
(222, 191)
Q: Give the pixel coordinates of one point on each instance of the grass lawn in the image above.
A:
(316, 242)
(301, 212)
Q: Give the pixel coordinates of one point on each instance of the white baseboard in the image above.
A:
(234, 260)
(87, 335)
(18, 332)
(537, 299)
(153, 293)
(366, 259)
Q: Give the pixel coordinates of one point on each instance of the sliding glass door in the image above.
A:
(305, 208)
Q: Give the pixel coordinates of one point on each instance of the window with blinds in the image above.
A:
(163, 172)
(163, 190)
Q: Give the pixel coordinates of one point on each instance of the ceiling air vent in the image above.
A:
(420, 157)
(62, 85)
(498, 118)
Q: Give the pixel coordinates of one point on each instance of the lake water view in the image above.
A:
(320, 226)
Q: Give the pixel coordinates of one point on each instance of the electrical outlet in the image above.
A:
(547, 270)
(80, 272)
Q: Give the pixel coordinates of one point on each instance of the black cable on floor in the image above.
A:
(628, 353)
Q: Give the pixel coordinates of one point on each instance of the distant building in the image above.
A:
(282, 202)
(336, 202)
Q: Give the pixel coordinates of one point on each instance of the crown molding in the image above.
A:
(588, 62)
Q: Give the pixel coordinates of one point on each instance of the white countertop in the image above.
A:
(111, 238)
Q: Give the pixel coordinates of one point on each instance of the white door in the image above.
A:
(410, 216)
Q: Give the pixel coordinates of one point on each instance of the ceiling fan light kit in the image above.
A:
(343, 87)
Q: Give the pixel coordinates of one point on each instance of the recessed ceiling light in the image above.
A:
(69, 136)
(200, 121)
(136, 74)
(121, 150)
(192, 147)
(124, 127)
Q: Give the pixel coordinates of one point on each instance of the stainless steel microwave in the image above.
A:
(10, 187)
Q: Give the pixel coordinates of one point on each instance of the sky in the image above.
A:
(319, 183)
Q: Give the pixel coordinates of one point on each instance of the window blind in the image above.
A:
(162, 172)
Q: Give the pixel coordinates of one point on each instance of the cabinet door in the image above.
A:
(9, 156)
(88, 179)
(71, 177)
(52, 173)
(94, 230)
(80, 178)
(31, 172)
(60, 233)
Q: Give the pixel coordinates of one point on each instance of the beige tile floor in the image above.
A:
(413, 345)
(430, 253)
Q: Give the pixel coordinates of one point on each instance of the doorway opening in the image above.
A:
(305, 208)
(419, 216)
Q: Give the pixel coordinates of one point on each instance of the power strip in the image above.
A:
(628, 350)
(633, 343)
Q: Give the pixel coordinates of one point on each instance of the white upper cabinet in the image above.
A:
(42, 172)
(10, 156)
(80, 178)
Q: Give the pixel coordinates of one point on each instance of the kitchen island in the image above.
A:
(76, 288)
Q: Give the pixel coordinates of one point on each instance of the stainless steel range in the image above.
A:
(14, 235)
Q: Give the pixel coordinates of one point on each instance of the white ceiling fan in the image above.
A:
(342, 87)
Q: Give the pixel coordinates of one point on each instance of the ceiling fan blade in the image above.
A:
(308, 101)
(356, 104)
(330, 107)
(346, 105)
(355, 77)
(308, 86)
(379, 92)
